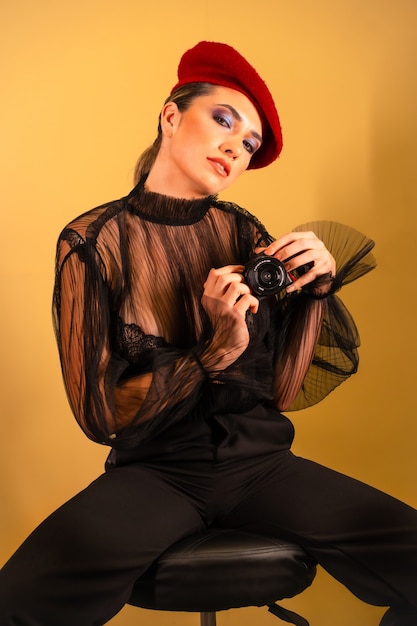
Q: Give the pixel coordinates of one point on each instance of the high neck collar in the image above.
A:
(163, 209)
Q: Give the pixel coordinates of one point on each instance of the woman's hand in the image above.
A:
(226, 300)
(300, 248)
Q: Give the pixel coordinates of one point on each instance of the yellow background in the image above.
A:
(82, 82)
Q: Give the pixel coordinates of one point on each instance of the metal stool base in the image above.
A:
(207, 619)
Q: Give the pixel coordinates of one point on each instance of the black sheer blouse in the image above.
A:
(135, 343)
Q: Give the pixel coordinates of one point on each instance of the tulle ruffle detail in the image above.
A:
(335, 357)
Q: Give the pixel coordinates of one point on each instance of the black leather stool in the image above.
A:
(222, 569)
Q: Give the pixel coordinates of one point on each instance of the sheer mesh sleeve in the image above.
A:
(112, 404)
(316, 347)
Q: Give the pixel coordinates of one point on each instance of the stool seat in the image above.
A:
(220, 569)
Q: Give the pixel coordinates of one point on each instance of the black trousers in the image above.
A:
(78, 567)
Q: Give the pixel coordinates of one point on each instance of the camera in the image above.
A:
(267, 276)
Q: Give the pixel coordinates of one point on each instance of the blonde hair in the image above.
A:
(183, 97)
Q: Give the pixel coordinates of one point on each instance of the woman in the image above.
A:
(181, 359)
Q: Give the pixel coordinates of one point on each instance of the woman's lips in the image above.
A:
(221, 166)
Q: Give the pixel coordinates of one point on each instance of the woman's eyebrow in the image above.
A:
(238, 117)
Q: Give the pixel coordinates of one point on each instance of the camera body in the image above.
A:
(265, 275)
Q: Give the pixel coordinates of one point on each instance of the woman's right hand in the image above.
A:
(226, 300)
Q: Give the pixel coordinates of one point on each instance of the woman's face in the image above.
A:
(208, 146)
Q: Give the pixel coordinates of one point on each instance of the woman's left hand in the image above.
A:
(299, 248)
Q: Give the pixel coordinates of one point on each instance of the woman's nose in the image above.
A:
(232, 149)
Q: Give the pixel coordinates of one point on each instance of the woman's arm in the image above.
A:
(316, 338)
(112, 404)
(82, 325)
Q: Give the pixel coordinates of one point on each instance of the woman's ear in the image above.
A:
(170, 118)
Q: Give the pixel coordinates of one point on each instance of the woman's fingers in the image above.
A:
(293, 244)
(302, 249)
(226, 300)
(219, 279)
(227, 287)
(225, 284)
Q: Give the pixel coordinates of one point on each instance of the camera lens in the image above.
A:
(265, 275)
(268, 276)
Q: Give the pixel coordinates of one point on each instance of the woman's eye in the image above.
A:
(250, 147)
(222, 120)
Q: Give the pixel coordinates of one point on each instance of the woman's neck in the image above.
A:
(169, 180)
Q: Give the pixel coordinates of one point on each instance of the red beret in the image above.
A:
(220, 64)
